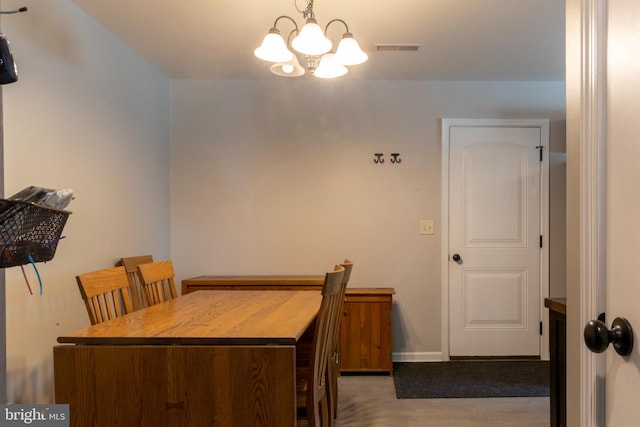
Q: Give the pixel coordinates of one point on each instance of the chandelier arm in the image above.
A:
(334, 20)
(289, 18)
(292, 32)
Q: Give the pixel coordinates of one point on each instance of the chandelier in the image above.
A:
(312, 43)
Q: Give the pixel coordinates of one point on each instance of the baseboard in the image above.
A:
(435, 356)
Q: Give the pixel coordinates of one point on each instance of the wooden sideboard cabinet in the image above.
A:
(366, 338)
(558, 359)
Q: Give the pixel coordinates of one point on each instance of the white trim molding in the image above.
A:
(593, 103)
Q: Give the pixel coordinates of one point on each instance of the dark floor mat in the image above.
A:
(512, 378)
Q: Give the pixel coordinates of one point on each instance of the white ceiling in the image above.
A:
(459, 39)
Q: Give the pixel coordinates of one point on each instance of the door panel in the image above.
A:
(622, 385)
(494, 299)
(495, 226)
(494, 204)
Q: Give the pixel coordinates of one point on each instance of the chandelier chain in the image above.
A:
(306, 12)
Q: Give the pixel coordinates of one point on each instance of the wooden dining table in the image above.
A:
(224, 358)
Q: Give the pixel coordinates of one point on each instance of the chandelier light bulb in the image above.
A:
(311, 39)
(290, 68)
(273, 48)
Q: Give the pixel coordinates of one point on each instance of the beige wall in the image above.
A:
(277, 176)
(87, 114)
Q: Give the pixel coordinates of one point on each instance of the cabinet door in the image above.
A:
(365, 340)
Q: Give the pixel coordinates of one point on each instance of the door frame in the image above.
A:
(543, 125)
(589, 78)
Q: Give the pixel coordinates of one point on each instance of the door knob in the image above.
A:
(456, 257)
(598, 337)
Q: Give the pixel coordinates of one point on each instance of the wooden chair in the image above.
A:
(334, 363)
(311, 387)
(130, 264)
(106, 294)
(157, 281)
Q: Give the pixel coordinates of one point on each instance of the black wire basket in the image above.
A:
(29, 232)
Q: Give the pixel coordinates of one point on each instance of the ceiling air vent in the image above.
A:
(388, 47)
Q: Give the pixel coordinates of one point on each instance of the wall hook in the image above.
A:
(378, 158)
(9, 12)
(395, 158)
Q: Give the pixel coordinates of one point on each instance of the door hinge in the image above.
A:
(541, 240)
(540, 327)
(540, 148)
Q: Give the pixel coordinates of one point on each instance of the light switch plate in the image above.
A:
(426, 226)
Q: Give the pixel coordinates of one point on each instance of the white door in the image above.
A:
(495, 237)
(622, 385)
(623, 208)
(622, 235)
